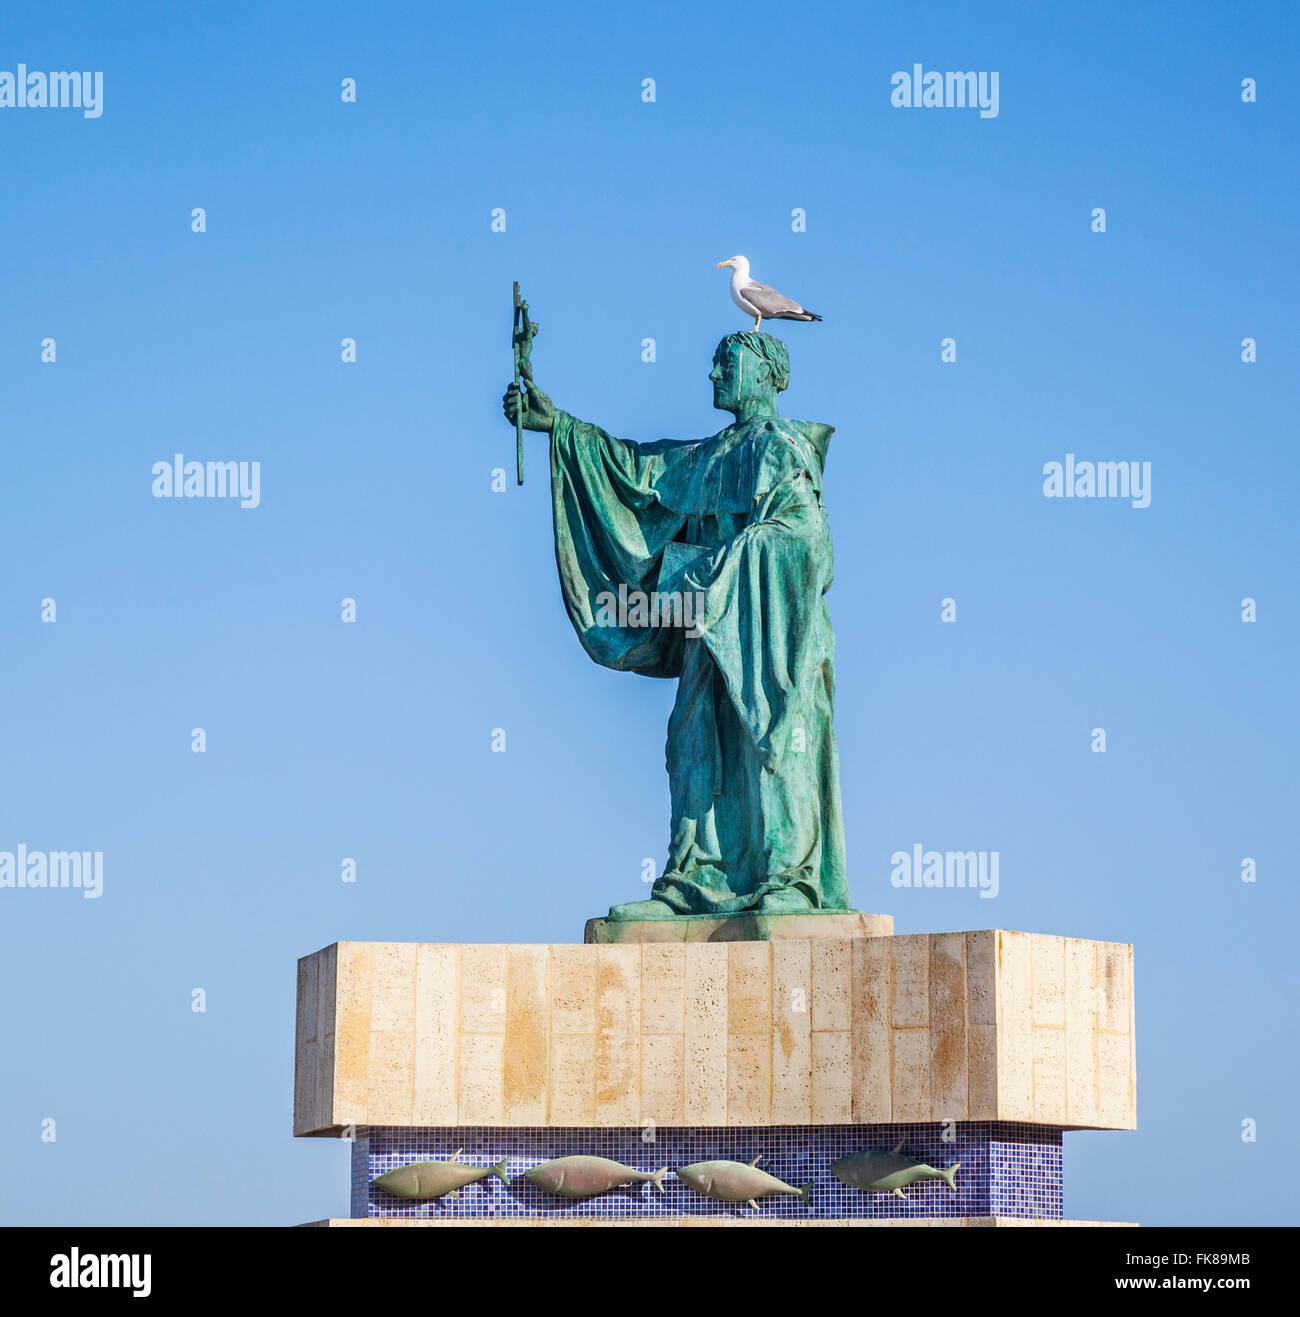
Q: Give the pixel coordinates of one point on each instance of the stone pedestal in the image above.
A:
(977, 1047)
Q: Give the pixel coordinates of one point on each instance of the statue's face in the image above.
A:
(736, 375)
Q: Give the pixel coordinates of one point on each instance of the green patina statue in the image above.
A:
(733, 528)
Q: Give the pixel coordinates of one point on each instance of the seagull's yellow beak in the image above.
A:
(720, 264)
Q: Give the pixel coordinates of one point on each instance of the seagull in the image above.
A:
(758, 300)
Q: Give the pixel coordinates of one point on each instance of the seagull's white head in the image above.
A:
(738, 263)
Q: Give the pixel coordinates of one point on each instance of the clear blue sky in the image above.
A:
(325, 740)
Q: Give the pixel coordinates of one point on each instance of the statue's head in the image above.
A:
(749, 370)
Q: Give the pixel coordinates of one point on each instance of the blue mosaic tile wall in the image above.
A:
(359, 1198)
(1007, 1169)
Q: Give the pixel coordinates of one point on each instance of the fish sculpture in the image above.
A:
(586, 1177)
(422, 1181)
(738, 1182)
(879, 1172)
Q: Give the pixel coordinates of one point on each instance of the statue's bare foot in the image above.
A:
(642, 910)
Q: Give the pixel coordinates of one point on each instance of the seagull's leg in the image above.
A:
(758, 320)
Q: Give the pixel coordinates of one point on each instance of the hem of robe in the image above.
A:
(685, 894)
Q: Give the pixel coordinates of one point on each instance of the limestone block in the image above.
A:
(705, 1034)
(792, 1065)
(437, 1005)
(832, 1077)
(872, 1027)
(527, 1045)
(988, 1025)
(618, 1035)
(949, 1054)
(663, 1079)
(573, 1080)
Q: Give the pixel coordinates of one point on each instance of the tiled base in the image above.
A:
(1008, 1170)
(383, 1221)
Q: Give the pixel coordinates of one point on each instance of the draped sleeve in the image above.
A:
(610, 531)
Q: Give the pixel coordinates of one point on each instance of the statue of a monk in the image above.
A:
(735, 522)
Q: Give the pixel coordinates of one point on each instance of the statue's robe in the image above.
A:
(752, 765)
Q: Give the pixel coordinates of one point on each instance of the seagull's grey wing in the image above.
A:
(767, 300)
